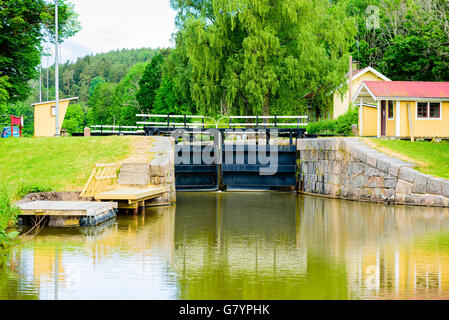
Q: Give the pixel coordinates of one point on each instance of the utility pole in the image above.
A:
(40, 82)
(48, 68)
(56, 70)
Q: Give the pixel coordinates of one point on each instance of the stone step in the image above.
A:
(133, 178)
(135, 167)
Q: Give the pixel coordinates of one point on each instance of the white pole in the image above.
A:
(48, 68)
(40, 82)
(56, 70)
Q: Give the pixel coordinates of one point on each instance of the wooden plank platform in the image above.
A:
(131, 194)
(66, 208)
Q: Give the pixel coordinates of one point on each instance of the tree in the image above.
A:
(75, 119)
(101, 103)
(411, 39)
(150, 82)
(94, 83)
(262, 57)
(24, 24)
(167, 101)
(126, 104)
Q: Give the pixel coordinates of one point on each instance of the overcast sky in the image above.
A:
(116, 24)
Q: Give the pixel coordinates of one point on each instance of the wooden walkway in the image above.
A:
(130, 198)
(66, 208)
(70, 213)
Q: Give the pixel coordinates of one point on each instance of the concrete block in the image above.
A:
(420, 183)
(135, 167)
(388, 194)
(358, 167)
(394, 168)
(416, 199)
(407, 174)
(375, 182)
(434, 185)
(366, 194)
(378, 194)
(445, 188)
(355, 193)
(400, 198)
(371, 159)
(383, 164)
(371, 171)
(390, 183)
(133, 178)
(404, 187)
(359, 182)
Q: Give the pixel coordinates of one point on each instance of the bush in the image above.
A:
(340, 126)
(24, 189)
(8, 219)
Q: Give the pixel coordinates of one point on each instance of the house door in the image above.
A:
(383, 118)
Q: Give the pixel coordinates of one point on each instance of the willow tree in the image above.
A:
(262, 56)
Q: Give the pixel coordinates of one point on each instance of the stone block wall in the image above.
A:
(162, 169)
(347, 168)
(157, 171)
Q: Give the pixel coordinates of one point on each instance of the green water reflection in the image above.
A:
(241, 246)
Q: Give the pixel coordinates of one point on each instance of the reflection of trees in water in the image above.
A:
(243, 246)
(55, 252)
(247, 245)
(388, 250)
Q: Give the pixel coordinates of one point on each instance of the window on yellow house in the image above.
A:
(390, 110)
(428, 110)
(434, 110)
(422, 110)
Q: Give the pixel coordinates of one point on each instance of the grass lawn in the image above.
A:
(431, 158)
(64, 164)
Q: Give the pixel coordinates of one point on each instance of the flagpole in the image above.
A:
(56, 71)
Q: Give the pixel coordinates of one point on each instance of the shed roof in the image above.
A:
(405, 89)
(47, 102)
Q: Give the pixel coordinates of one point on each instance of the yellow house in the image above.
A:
(342, 99)
(45, 116)
(403, 109)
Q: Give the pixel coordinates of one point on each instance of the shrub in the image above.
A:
(24, 189)
(8, 219)
(340, 126)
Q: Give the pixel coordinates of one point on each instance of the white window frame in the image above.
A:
(428, 110)
(53, 111)
(388, 109)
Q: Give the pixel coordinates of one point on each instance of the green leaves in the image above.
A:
(262, 56)
(24, 25)
(150, 82)
(411, 43)
(12, 235)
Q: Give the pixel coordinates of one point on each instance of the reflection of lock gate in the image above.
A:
(236, 166)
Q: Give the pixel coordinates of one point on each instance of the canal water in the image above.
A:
(241, 246)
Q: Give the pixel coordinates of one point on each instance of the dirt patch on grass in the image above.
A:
(53, 196)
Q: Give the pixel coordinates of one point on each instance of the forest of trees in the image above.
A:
(241, 57)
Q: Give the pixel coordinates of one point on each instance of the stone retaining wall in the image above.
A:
(347, 168)
(158, 171)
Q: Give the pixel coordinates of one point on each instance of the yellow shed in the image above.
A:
(45, 116)
(341, 99)
(403, 109)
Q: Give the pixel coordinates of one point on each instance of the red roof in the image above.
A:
(414, 89)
